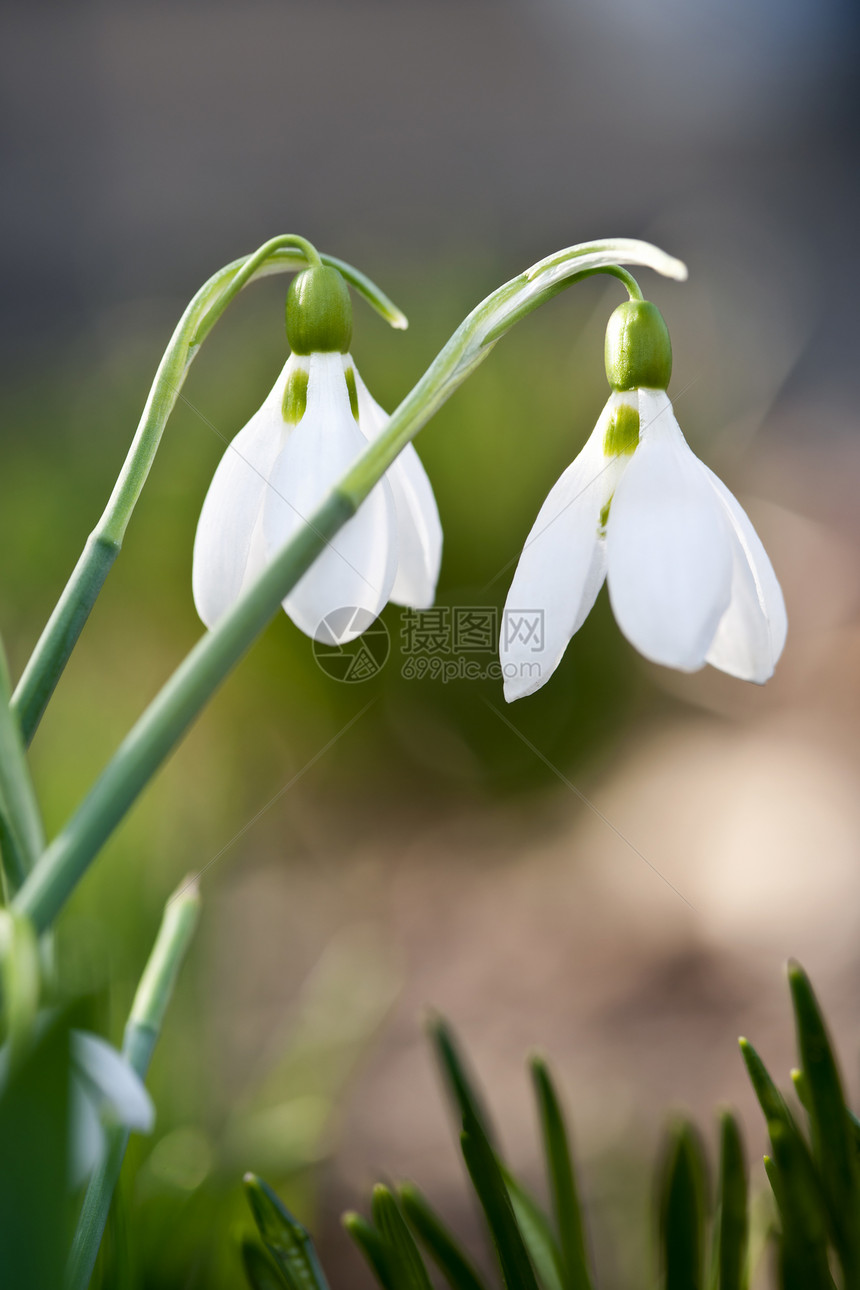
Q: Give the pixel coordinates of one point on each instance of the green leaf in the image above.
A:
(408, 1266)
(682, 1191)
(802, 1243)
(777, 1114)
(537, 1234)
(34, 1185)
(733, 1221)
(284, 1237)
(562, 1180)
(460, 1085)
(489, 1184)
(261, 1272)
(832, 1136)
(375, 1250)
(441, 1245)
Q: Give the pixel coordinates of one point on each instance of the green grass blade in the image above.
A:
(682, 1192)
(832, 1136)
(375, 1250)
(260, 1271)
(562, 1180)
(802, 1243)
(733, 1201)
(409, 1270)
(537, 1234)
(483, 1167)
(440, 1243)
(778, 1115)
(460, 1085)
(284, 1237)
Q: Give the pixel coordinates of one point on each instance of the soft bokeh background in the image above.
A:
(614, 869)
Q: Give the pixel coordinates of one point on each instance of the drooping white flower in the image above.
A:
(689, 580)
(318, 418)
(104, 1090)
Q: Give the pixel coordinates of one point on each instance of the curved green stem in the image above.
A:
(21, 832)
(214, 656)
(279, 255)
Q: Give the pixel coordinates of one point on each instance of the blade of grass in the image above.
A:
(802, 1244)
(261, 1272)
(832, 1144)
(284, 1237)
(441, 1245)
(682, 1192)
(517, 1271)
(537, 1234)
(375, 1250)
(409, 1270)
(733, 1200)
(562, 1179)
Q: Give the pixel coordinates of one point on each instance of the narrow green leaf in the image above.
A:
(777, 1113)
(489, 1184)
(375, 1250)
(682, 1192)
(284, 1237)
(801, 1088)
(409, 1270)
(261, 1272)
(442, 1246)
(832, 1144)
(537, 1234)
(733, 1220)
(460, 1085)
(803, 1261)
(562, 1180)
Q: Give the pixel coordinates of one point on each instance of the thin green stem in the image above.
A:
(22, 830)
(210, 661)
(141, 1035)
(52, 652)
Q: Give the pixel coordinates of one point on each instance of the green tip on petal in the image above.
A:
(319, 312)
(352, 391)
(638, 349)
(295, 398)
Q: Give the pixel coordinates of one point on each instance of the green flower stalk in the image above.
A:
(211, 660)
(284, 254)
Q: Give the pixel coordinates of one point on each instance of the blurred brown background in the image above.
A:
(428, 854)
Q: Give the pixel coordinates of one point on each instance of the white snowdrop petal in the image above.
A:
(86, 1134)
(561, 568)
(230, 517)
(752, 631)
(668, 545)
(419, 529)
(115, 1086)
(357, 567)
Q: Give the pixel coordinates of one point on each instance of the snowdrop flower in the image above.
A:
(689, 580)
(318, 418)
(104, 1090)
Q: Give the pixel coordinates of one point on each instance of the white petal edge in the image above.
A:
(86, 1133)
(227, 550)
(116, 1088)
(357, 568)
(562, 565)
(668, 545)
(751, 635)
(419, 529)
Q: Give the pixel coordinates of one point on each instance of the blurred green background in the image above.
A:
(428, 853)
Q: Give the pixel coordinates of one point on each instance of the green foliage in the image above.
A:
(703, 1242)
